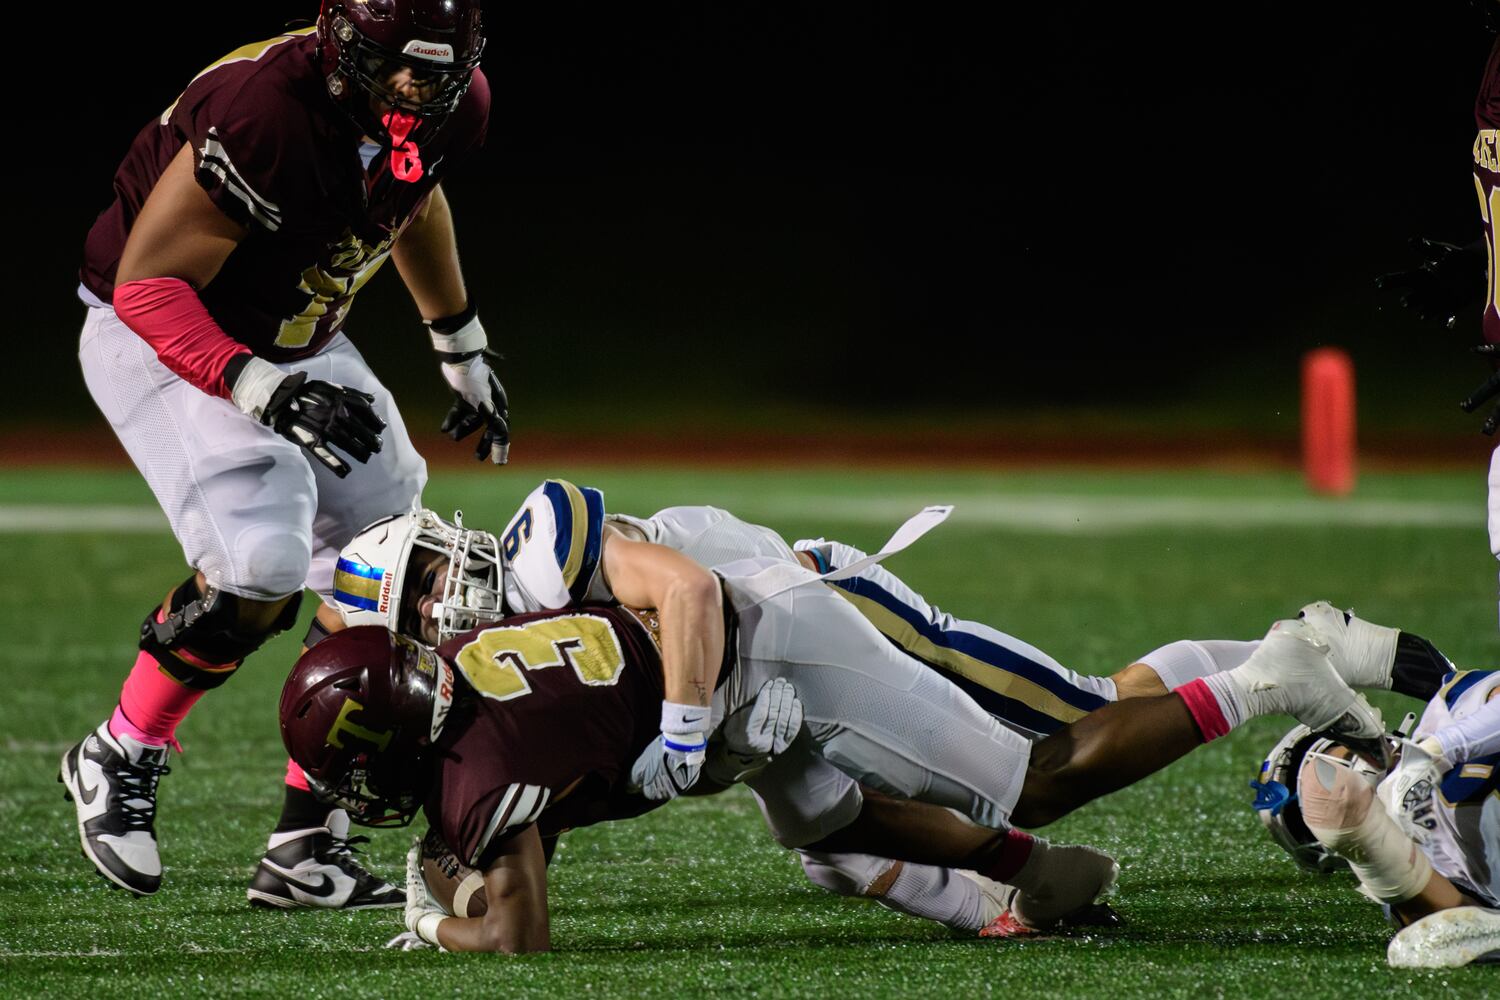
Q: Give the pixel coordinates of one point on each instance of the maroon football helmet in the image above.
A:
(358, 714)
(361, 43)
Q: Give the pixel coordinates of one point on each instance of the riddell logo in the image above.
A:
(385, 592)
(442, 699)
(436, 51)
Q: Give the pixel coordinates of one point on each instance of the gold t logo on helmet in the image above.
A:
(342, 725)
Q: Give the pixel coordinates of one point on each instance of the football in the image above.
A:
(458, 888)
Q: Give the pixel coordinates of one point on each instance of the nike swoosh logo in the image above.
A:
(86, 795)
(696, 718)
(322, 888)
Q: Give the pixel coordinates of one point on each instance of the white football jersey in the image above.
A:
(552, 548)
(1466, 844)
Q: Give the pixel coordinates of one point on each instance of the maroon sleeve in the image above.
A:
(252, 147)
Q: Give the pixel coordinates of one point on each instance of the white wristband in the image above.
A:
(684, 728)
(427, 927)
(466, 339)
(255, 386)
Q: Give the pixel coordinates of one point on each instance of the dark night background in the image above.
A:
(896, 214)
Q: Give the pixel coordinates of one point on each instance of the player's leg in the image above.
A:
(917, 858)
(1289, 673)
(309, 860)
(239, 499)
(1013, 680)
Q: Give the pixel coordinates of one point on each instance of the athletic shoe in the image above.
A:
(1447, 939)
(1072, 878)
(996, 896)
(111, 781)
(316, 868)
(1362, 652)
(1290, 673)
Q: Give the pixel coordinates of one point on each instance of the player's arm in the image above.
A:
(689, 601)
(515, 887)
(426, 257)
(176, 247)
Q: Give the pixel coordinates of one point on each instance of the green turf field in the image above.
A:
(695, 899)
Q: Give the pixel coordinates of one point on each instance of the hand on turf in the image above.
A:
(481, 403)
(318, 416)
(423, 913)
(1408, 793)
(1448, 279)
(757, 732)
(407, 941)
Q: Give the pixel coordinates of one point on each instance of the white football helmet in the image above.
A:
(373, 582)
(1276, 800)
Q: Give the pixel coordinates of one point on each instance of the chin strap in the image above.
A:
(406, 158)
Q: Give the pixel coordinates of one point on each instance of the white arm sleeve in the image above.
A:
(1476, 735)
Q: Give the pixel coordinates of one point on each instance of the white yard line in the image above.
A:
(1078, 514)
(1048, 513)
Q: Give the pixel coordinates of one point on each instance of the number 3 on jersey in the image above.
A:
(497, 660)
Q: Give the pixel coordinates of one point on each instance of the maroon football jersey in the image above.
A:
(278, 156)
(1487, 179)
(561, 704)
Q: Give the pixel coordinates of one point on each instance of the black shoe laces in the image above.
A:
(347, 846)
(136, 783)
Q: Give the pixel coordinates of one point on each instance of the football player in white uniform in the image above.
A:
(430, 579)
(1423, 839)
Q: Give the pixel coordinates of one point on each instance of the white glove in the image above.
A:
(756, 733)
(407, 941)
(673, 761)
(423, 914)
(1408, 793)
(481, 401)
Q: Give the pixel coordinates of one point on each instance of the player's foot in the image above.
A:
(111, 781)
(1072, 878)
(995, 896)
(1362, 652)
(316, 868)
(1290, 674)
(1447, 939)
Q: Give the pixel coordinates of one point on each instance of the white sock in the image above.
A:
(939, 894)
(1185, 660)
(1230, 698)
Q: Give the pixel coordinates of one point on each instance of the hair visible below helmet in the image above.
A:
(360, 42)
(358, 713)
(1277, 801)
(373, 583)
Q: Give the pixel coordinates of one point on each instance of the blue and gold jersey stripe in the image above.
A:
(1456, 683)
(579, 515)
(1472, 780)
(357, 585)
(1003, 682)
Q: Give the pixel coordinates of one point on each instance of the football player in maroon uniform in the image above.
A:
(246, 217)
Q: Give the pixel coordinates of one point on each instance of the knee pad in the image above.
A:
(843, 874)
(202, 637)
(1339, 807)
(272, 563)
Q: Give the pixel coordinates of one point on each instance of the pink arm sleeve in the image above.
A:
(168, 315)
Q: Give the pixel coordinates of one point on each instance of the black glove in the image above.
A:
(317, 414)
(474, 381)
(1448, 280)
(1487, 391)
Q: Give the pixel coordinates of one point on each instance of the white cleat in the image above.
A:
(1290, 673)
(1362, 652)
(996, 895)
(1447, 939)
